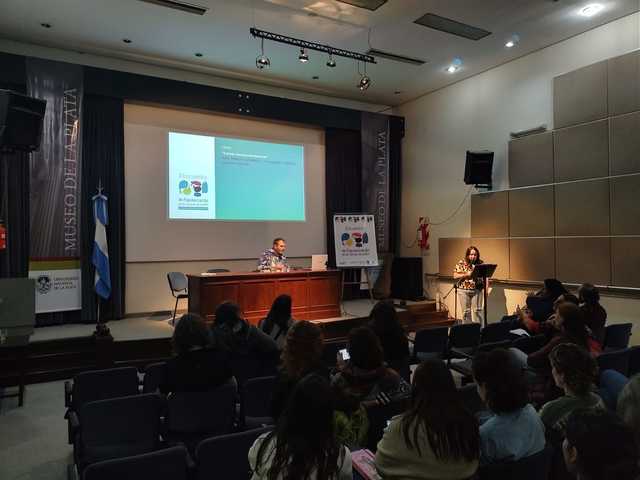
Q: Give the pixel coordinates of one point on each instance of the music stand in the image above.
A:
(481, 272)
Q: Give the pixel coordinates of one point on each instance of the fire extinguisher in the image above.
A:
(3, 236)
(423, 229)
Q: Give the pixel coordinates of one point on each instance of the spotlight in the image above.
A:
(303, 57)
(331, 62)
(513, 41)
(455, 65)
(262, 61)
(591, 9)
(364, 83)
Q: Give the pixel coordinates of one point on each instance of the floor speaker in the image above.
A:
(406, 278)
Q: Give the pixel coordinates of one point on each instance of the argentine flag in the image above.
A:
(100, 258)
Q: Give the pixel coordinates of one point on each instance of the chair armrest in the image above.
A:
(73, 423)
(68, 389)
(460, 353)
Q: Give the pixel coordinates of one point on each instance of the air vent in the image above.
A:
(182, 6)
(451, 26)
(396, 58)
(368, 4)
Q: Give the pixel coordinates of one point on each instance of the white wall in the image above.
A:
(479, 113)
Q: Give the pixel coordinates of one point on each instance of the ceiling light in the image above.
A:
(262, 61)
(303, 57)
(198, 54)
(45, 25)
(591, 9)
(331, 62)
(126, 40)
(455, 65)
(364, 83)
(513, 41)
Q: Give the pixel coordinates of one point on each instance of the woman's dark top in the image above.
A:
(595, 318)
(197, 371)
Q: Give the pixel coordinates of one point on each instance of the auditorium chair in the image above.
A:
(167, 464)
(471, 398)
(116, 428)
(617, 360)
(179, 285)
(378, 416)
(464, 367)
(225, 456)
(97, 385)
(528, 344)
(533, 467)
(217, 270)
(430, 343)
(194, 416)
(616, 337)
(634, 361)
(463, 340)
(155, 375)
(496, 332)
(255, 405)
(611, 384)
(246, 366)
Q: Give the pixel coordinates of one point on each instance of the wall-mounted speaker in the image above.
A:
(20, 121)
(478, 168)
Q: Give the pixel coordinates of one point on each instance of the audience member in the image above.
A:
(302, 355)
(629, 405)
(383, 320)
(539, 304)
(574, 371)
(514, 430)
(599, 446)
(365, 375)
(277, 322)
(547, 326)
(437, 437)
(595, 316)
(197, 365)
(351, 419)
(303, 444)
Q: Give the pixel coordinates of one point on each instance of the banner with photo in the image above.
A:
(375, 174)
(55, 186)
(355, 240)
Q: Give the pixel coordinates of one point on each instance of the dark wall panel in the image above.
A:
(532, 259)
(531, 212)
(580, 260)
(624, 83)
(625, 258)
(531, 160)
(494, 251)
(625, 143)
(582, 208)
(580, 96)
(450, 252)
(582, 151)
(490, 214)
(625, 212)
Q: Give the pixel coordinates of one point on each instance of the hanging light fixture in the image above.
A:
(303, 57)
(331, 62)
(365, 81)
(262, 61)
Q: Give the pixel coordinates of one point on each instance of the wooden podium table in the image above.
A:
(315, 294)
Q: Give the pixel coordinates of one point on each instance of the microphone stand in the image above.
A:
(455, 286)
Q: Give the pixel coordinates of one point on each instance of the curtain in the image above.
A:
(103, 162)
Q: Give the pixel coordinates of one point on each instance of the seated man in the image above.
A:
(273, 260)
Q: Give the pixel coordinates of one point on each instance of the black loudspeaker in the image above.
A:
(20, 121)
(406, 278)
(478, 168)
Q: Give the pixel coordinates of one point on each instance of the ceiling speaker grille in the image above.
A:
(447, 25)
(397, 58)
(182, 6)
(368, 4)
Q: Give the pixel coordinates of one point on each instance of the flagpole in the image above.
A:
(101, 329)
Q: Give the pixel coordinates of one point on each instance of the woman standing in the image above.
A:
(469, 288)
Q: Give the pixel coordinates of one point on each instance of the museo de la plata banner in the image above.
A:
(54, 260)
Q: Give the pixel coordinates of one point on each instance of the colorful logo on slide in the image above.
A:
(193, 187)
(356, 239)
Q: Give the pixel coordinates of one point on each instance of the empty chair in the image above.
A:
(463, 339)
(617, 360)
(225, 456)
(533, 467)
(634, 361)
(256, 401)
(616, 337)
(495, 332)
(97, 385)
(178, 284)
(168, 464)
(193, 416)
(611, 384)
(430, 343)
(116, 428)
(155, 374)
(217, 270)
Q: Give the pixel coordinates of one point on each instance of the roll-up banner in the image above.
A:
(55, 186)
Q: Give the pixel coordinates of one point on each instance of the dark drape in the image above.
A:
(396, 134)
(103, 161)
(14, 212)
(343, 182)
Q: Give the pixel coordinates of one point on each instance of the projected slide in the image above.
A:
(220, 178)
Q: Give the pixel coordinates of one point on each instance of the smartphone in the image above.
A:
(344, 354)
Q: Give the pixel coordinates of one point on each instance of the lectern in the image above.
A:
(481, 273)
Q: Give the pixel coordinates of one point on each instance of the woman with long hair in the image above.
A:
(595, 316)
(514, 429)
(278, 321)
(469, 288)
(383, 320)
(303, 446)
(437, 437)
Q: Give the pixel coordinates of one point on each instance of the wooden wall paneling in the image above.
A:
(624, 83)
(580, 260)
(625, 209)
(581, 152)
(450, 252)
(625, 144)
(625, 259)
(580, 96)
(531, 160)
(490, 214)
(582, 208)
(494, 250)
(532, 259)
(532, 212)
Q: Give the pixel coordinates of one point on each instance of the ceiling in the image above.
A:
(165, 36)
